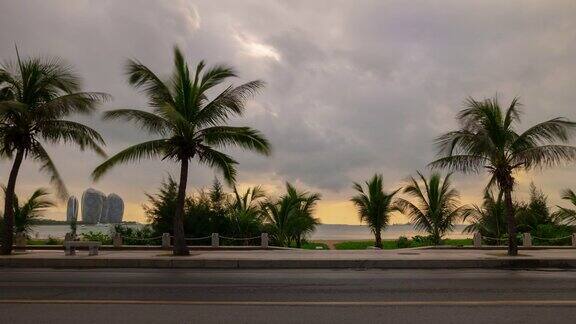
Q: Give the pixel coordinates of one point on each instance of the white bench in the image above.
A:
(70, 247)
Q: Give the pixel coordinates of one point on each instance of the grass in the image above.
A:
(313, 245)
(392, 244)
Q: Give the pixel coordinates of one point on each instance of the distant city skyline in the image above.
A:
(353, 87)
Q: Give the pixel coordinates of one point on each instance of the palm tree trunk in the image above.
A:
(8, 235)
(511, 220)
(378, 237)
(180, 247)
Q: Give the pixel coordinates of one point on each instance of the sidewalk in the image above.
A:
(378, 259)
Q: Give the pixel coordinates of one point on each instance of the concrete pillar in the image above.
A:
(574, 239)
(526, 240)
(165, 240)
(477, 240)
(117, 240)
(215, 240)
(264, 240)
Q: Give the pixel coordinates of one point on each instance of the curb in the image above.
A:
(184, 263)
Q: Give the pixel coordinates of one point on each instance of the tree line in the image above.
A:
(189, 120)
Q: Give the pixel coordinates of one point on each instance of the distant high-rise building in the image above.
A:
(72, 209)
(92, 205)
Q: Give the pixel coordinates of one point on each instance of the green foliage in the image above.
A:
(53, 241)
(103, 238)
(552, 234)
(290, 218)
(314, 246)
(208, 211)
(534, 213)
(27, 214)
(436, 205)
(363, 245)
(489, 219)
(374, 206)
(136, 236)
(402, 242)
(567, 215)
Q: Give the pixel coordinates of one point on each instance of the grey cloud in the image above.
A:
(359, 86)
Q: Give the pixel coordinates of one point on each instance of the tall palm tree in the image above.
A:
(36, 97)
(566, 214)
(437, 205)
(291, 217)
(27, 213)
(374, 206)
(188, 123)
(488, 139)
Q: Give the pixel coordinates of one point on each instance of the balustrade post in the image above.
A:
(215, 240)
(526, 239)
(264, 240)
(166, 240)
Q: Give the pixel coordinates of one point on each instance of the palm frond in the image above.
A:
(150, 122)
(135, 153)
(47, 166)
(141, 77)
(243, 137)
(74, 103)
(220, 161)
(65, 131)
(230, 102)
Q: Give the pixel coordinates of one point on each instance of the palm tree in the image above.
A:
(36, 95)
(374, 206)
(26, 214)
(487, 139)
(489, 219)
(437, 205)
(245, 213)
(290, 218)
(189, 124)
(566, 214)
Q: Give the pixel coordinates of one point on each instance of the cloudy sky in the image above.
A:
(353, 87)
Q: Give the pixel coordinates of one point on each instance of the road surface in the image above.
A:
(286, 296)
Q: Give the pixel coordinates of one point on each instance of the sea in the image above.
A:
(336, 232)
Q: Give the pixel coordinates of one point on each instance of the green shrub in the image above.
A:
(133, 236)
(104, 239)
(419, 240)
(53, 241)
(549, 234)
(403, 242)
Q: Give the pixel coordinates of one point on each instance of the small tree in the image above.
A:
(436, 205)
(374, 206)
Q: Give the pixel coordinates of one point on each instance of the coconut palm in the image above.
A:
(245, 213)
(36, 97)
(488, 139)
(374, 206)
(436, 205)
(291, 218)
(489, 219)
(26, 214)
(189, 124)
(566, 214)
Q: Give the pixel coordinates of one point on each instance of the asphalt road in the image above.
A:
(286, 296)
